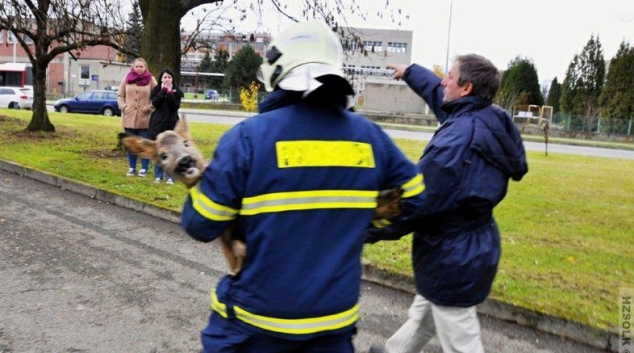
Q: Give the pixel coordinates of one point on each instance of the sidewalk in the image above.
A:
(563, 328)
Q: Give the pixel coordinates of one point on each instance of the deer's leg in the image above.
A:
(226, 245)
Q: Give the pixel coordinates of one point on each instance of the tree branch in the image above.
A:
(187, 5)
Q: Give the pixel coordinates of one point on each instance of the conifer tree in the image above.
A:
(519, 85)
(220, 65)
(569, 88)
(554, 95)
(133, 33)
(243, 68)
(205, 64)
(617, 97)
(584, 82)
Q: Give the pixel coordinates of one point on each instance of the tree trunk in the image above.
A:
(39, 119)
(161, 43)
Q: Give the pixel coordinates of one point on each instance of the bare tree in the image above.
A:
(69, 26)
(161, 44)
(55, 27)
(203, 34)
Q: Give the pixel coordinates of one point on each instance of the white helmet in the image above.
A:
(308, 49)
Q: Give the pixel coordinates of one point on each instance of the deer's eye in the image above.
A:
(163, 156)
(186, 143)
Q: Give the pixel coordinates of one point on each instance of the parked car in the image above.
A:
(91, 102)
(16, 98)
(211, 95)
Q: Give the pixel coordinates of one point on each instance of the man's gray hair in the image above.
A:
(482, 74)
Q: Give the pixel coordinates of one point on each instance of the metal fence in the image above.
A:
(593, 124)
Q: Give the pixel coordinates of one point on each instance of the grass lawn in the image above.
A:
(567, 228)
(198, 96)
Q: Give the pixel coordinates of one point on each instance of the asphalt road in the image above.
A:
(80, 275)
(231, 118)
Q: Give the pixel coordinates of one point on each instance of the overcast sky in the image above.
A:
(549, 32)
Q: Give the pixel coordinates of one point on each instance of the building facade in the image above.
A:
(194, 81)
(94, 68)
(99, 67)
(373, 83)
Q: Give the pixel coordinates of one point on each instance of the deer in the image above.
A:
(175, 151)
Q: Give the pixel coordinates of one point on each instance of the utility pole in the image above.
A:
(15, 42)
(448, 38)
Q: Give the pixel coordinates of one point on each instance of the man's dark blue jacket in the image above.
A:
(466, 168)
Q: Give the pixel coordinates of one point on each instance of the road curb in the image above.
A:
(564, 328)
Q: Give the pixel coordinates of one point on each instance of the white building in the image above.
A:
(373, 82)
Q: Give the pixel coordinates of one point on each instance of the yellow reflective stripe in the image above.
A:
(208, 208)
(293, 154)
(308, 200)
(291, 326)
(413, 187)
(217, 306)
(300, 326)
(380, 223)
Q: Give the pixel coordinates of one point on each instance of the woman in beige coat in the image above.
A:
(134, 102)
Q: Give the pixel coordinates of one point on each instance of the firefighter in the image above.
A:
(300, 181)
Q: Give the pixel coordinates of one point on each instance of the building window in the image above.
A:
(396, 47)
(373, 46)
(11, 38)
(353, 46)
(349, 69)
(84, 72)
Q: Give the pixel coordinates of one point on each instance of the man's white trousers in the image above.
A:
(458, 329)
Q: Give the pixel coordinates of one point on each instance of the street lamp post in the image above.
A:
(15, 41)
(448, 38)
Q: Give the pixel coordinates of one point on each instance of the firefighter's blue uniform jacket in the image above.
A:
(466, 167)
(302, 182)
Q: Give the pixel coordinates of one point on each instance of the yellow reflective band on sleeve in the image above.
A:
(380, 223)
(291, 326)
(308, 200)
(209, 209)
(413, 187)
(293, 154)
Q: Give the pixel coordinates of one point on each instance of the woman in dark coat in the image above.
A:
(166, 100)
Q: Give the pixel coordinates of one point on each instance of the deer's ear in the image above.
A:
(140, 146)
(182, 128)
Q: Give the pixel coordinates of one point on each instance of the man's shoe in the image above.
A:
(157, 181)
(131, 172)
(142, 173)
(169, 181)
(376, 349)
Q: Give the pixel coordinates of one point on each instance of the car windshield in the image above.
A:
(84, 96)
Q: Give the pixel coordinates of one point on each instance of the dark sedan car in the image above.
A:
(91, 102)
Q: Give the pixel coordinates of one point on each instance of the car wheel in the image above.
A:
(107, 111)
(63, 109)
(14, 105)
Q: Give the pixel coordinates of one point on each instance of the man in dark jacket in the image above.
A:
(466, 168)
